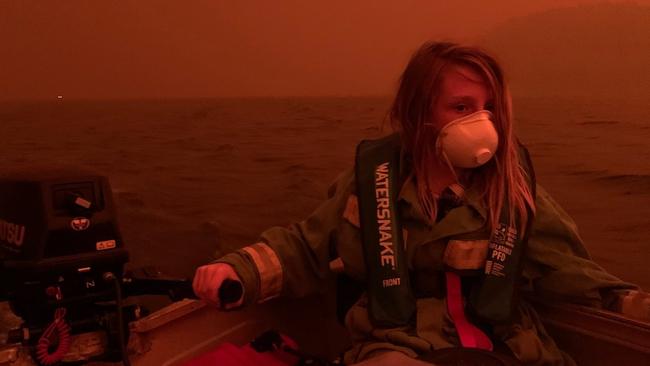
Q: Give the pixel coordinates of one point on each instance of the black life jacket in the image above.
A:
(391, 302)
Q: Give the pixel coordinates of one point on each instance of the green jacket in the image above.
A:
(294, 261)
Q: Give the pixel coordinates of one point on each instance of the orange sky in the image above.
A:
(208, 48)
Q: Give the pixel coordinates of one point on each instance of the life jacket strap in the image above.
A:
(470, 336)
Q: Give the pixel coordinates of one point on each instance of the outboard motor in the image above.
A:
(61, 256)
(58, 237)
(62, 269)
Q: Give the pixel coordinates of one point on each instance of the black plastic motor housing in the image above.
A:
(58, 235)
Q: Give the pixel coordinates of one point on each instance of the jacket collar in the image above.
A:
(470, 216)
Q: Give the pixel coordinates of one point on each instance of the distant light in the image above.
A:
(59, 97)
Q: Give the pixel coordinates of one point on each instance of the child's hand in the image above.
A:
(209, 278)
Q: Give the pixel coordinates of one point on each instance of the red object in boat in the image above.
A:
(228, 354)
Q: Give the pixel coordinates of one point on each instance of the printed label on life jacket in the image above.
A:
(391, 282)
(501, 245)
(384, 219)
(390, 299)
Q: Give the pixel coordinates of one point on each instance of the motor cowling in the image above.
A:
(58, 236)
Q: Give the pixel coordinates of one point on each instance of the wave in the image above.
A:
(269, 159)
(295, 168)
(546, 144)
(633, 183)
(130, 199)
(599, 122)
(578, 172)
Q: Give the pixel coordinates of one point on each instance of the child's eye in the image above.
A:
(460, 107)
(489, 107)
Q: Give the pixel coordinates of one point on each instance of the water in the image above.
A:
(191, 177)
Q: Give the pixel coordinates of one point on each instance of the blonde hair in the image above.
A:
(502, 179)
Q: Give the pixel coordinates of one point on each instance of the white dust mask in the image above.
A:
(469, 141)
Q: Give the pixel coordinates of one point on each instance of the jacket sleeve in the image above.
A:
(559, 266)
(294, 260)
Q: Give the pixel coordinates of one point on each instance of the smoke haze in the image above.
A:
(173, 49)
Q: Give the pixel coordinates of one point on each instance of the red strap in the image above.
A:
(470, 336)
(228, 354)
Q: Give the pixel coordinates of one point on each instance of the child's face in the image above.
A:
(462, 91)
